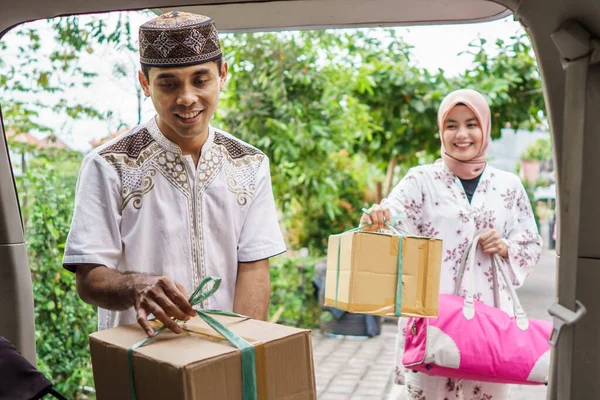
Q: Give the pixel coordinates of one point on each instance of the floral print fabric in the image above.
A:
(424, 387)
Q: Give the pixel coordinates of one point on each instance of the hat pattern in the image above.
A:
(178, 39)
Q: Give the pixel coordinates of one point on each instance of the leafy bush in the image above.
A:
(336, 205)
(63, 321)
(540, 150)
(293, 301)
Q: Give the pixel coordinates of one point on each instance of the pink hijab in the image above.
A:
(476, 102)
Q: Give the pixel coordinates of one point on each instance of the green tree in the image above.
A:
(41, 67)
(402, 100)
(287, 96)
(343, 114)
(509, 78)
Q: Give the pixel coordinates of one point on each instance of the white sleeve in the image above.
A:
(260, 236)
(95, 235)
(523, 240)
(407, 198)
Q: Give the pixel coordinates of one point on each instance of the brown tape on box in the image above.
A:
(388, 310)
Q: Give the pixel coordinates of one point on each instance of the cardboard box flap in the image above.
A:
(390, 233)
(258, 329)
(178, 351)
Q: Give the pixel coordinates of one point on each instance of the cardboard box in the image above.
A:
(368, 273)
(200, 364)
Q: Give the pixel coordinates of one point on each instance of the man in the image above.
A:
(174, 200)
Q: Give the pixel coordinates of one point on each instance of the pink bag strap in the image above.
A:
(467, 264)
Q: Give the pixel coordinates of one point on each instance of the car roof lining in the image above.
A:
(250, 15)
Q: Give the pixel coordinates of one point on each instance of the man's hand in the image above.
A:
(376, 218)
(165, 299)
(148, 294)
(492, 243)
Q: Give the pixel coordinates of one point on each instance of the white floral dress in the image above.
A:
(436, 205)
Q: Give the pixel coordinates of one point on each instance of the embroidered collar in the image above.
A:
(168, 145)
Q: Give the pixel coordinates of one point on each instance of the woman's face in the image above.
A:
(462, 134)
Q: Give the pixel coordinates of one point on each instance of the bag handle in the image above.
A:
(467, 261)
(521, 316)
(463, 265)
(469, 303)
(461, 269)
(468, 256)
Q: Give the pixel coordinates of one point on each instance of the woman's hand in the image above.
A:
(492, 243)
(376, 218)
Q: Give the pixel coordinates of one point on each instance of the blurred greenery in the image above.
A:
(46, 189)
(540, 150)
(293, 298)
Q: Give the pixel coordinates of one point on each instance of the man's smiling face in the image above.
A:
(185, 98)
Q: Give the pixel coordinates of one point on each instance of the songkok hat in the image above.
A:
(177, 39)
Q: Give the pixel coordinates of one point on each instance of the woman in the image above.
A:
(454, 200)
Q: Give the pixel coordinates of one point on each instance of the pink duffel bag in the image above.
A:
(474, 341)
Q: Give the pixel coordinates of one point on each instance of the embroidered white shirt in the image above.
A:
(141, 206)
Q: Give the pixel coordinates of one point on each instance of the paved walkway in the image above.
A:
(354, 369)
(351, 369)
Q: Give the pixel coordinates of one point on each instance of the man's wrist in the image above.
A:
(135, 283)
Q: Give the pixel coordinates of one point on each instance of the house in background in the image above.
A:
(20, 158)
(100, 142)
(505, 153)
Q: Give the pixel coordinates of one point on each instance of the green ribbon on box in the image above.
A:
(249, 387)
(398, 231)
